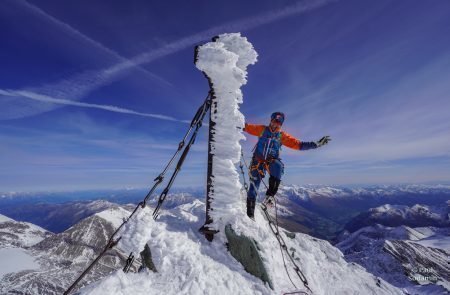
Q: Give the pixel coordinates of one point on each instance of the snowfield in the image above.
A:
(4, 218)
(20, 234)
(188, 264)
(15, 260)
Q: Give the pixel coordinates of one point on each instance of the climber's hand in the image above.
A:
(323, 141)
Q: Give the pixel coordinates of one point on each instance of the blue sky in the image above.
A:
(93, 94)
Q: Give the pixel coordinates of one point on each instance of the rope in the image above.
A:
(197, 123)
(281, 242)
(281, 250)
(201, 114)
(241, 165)
(283, 246)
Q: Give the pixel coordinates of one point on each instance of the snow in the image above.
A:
(14, 260)
(4, 218)
(135, 233)
(20, 233)
(373, 248)
(187, 263)
(308, 191)
(440, 242)
(114, 215)
(225, 62)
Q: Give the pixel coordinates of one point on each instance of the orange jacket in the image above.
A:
(286, 139)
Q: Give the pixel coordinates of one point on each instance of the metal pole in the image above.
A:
(209, 233)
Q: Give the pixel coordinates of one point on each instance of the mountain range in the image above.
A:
(403, 246)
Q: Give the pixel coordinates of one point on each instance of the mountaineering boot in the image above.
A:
(273, 186)
(269, 201)
(251, 208)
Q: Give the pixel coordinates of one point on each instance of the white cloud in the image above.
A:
(78, 86)
(58, 101)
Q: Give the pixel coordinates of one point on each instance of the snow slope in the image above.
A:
(398, 253)
(51, 265)
(188, 264)
(20, 234)
(439, 242)
(4, 218)
(306, 192)
(16, 259)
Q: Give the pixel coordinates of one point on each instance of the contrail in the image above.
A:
(74, 32)
(47, 99)
(240, 25)
(82, 84)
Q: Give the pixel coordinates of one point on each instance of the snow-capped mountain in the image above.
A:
(308, 192)
(58, 259)
(57, 217)
(184, 259)
(318, 210)
(187, 263)
(396, 215)
(323, 211)
(405, 257)
(15, 240)
(20, 234)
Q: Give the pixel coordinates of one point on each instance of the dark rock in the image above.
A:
(246, 251)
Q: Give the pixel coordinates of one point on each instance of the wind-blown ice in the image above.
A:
(135, 232)
(225, 62)
(188, 264)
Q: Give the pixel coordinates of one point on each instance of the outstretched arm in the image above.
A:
(253, 129)
(294, 143)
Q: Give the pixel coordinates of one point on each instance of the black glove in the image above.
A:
(323, 141)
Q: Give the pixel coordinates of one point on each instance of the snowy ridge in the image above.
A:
(20, 234)
(188, 264)
(4, 218)
(424, 265)
(306, 192)
(51, 265)
(114, 215)
(417, 213)
(225, 62)
(396, 215)
(439, 239)
(398, 253)
(405, 212)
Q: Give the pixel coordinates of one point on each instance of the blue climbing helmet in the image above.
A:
(277, 116)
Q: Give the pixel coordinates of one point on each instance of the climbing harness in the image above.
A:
(274, 228)
(264, 163)
(195, 125)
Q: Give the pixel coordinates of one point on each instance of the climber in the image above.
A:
(266, 157)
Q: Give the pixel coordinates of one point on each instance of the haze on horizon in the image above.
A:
(97, 95)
